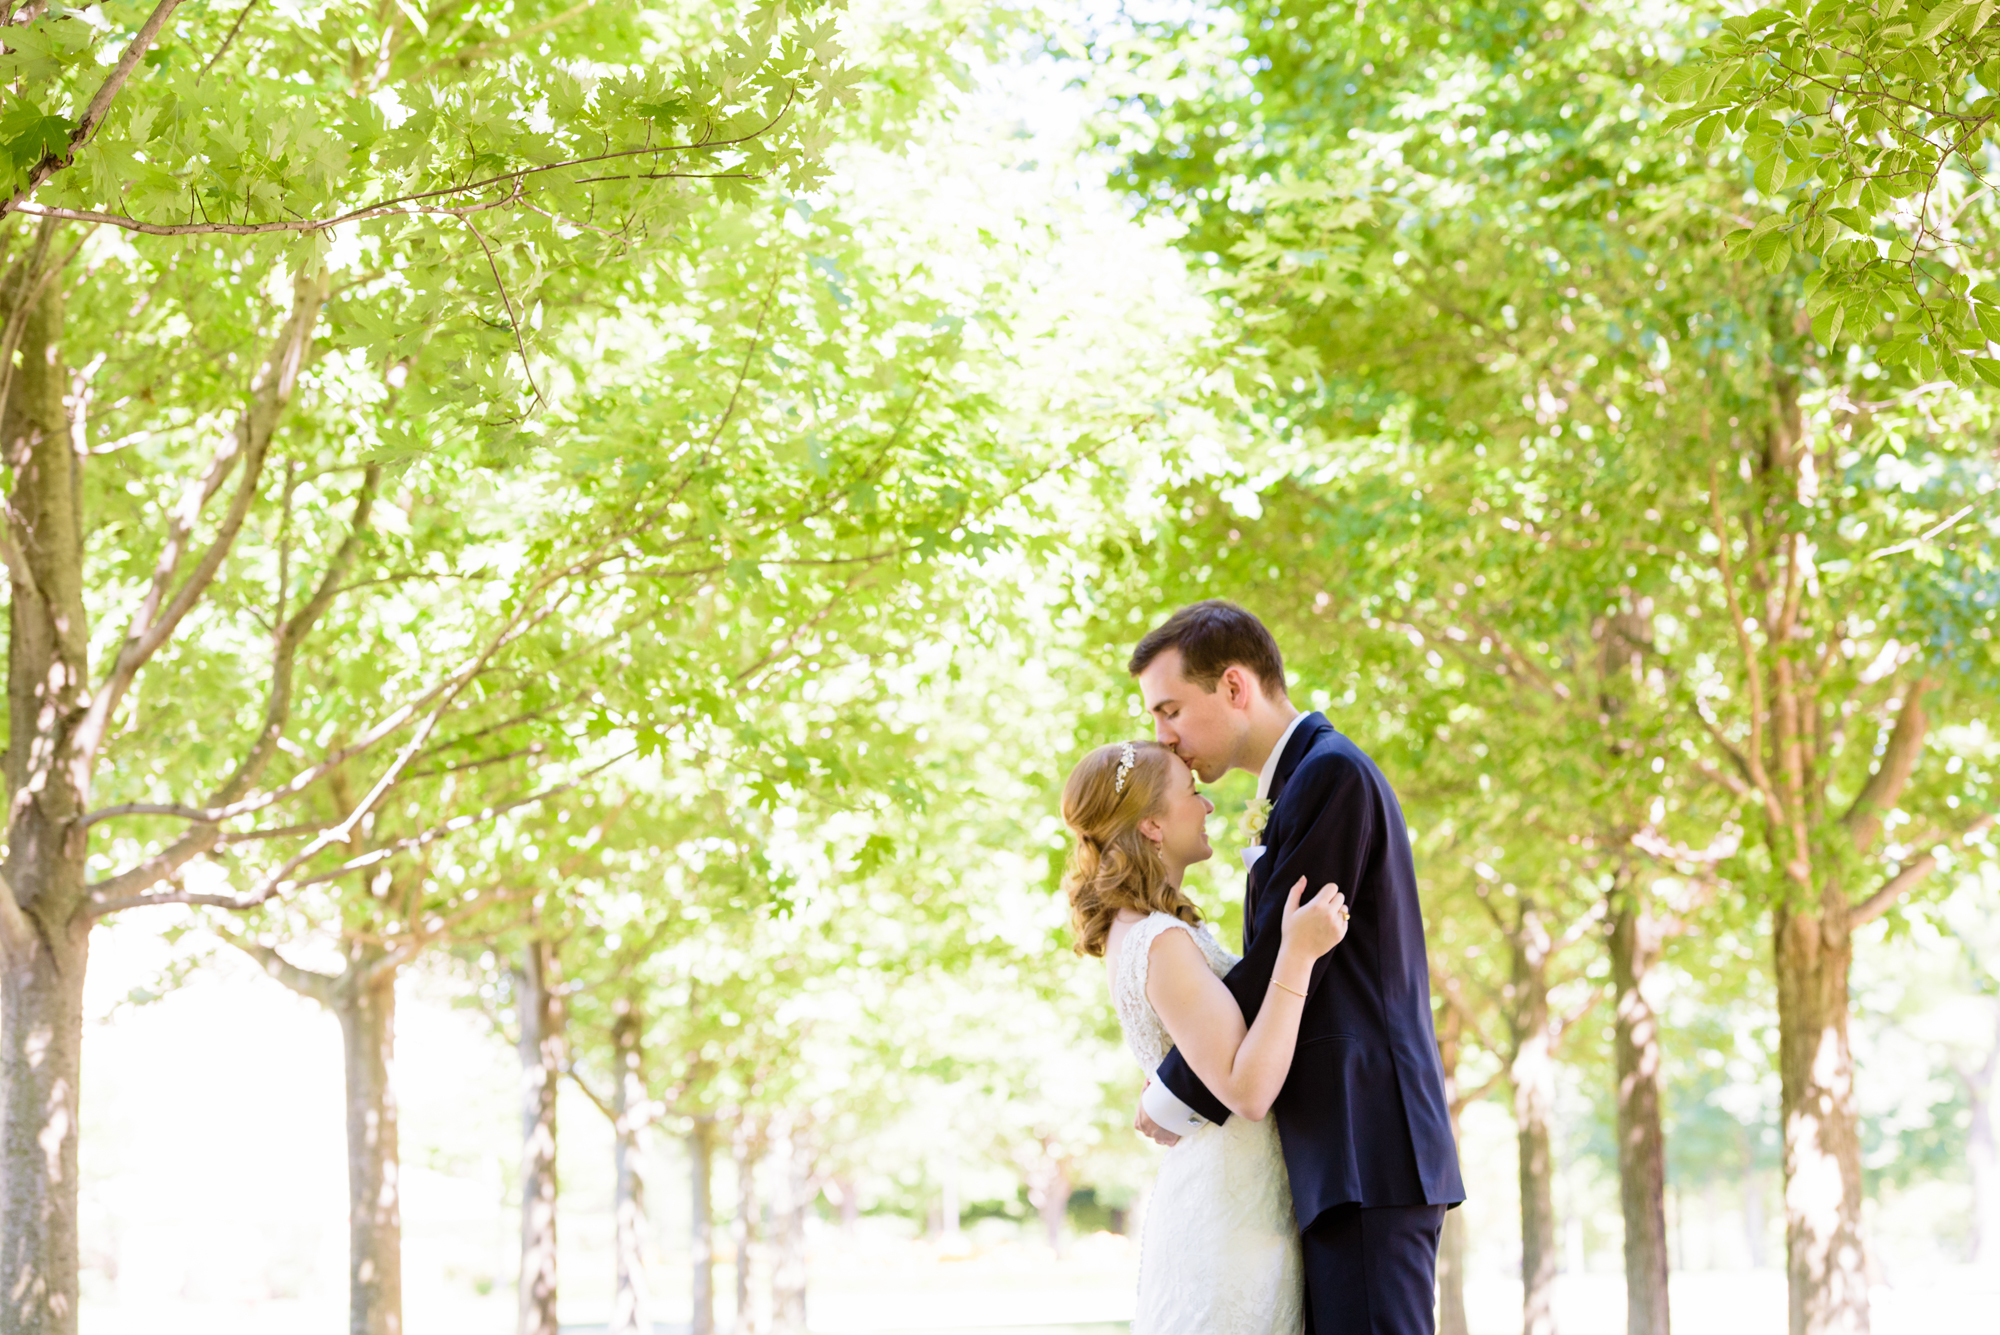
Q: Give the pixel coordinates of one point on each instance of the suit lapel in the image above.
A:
(1296, 750)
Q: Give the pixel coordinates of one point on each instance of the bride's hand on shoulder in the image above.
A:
(1317, 927)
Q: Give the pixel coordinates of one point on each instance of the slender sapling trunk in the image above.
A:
(1531, 1069)
(1642, 1148)
(788, 1276)
(1982, 1087)
(365, 1002)
(752, 1315)
(541, 1051)
(628, 1296)
(701, 1217)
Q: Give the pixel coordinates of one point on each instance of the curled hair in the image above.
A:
(1113, 866)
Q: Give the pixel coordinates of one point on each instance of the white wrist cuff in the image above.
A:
(1167, 1111)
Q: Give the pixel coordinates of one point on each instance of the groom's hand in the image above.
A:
(1152, 1130)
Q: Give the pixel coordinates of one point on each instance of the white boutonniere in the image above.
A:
(1250, 825)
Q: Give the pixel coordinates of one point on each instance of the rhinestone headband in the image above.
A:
(1125, 758)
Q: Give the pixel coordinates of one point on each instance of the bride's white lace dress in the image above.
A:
(1219, 1249)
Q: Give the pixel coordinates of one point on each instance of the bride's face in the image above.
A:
(1181, 824)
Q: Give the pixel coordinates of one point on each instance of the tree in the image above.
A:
(314, 152)
(1867, 129)
(1511, 323)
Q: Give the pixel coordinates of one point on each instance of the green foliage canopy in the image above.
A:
(1868, 128)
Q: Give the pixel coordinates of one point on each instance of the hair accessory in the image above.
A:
(1126, 757)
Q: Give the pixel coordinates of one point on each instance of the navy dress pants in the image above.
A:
(1373, 1271)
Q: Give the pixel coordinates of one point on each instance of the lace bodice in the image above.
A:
(1144, 1033)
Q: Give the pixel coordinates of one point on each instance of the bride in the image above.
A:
(1219, 1252)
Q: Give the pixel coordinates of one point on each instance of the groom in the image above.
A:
(1363, 1118)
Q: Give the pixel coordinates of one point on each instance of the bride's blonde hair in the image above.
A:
(1113, 866)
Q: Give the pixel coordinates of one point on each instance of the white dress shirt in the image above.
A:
(1264, 778)
(1160, 1103)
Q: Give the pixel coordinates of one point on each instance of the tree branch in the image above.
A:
(317, 986)
(288, 638)
(576, 1078)
(399, 204)
(1467, 1098)
(1907, 879)
(103, 900)
(422, 937)
(475, 52)
(1752, 671)
(1453, 993)
(513, 320)
(1885, 786)
(1724, 779)
(151, 627)
(226, 41)
(94, 113)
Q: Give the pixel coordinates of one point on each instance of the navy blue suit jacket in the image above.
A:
(1362, 1116)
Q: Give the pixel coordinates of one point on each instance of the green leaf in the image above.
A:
(1675, 84)
(30, 135)
(1987, 369)
(1937, 20)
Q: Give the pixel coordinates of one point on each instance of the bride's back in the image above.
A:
(1127, 957)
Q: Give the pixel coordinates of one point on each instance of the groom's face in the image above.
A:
(1200, 726)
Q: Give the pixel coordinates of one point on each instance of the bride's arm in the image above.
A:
(1243, 1068)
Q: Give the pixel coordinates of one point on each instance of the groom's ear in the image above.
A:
(1238, 685)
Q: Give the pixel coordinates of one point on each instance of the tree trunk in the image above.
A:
(1982, 1086)
(365, 1002)
(1642, 1149)
(701, 1222)
(628, 1296)
(788, 1276)
(541, 1043)
(1451, 1276)
(41, 1044)
(950, 1214)
(1824, 1261)
(1451, 1244)
(1532, 1071)
(748, 1148)
(849, 1200)
(46, 941)
(1049, 1188)
(1753, 1201)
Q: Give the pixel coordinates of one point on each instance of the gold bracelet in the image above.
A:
(1293, 990)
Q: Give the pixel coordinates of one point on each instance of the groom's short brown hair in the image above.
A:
(1213, 636)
